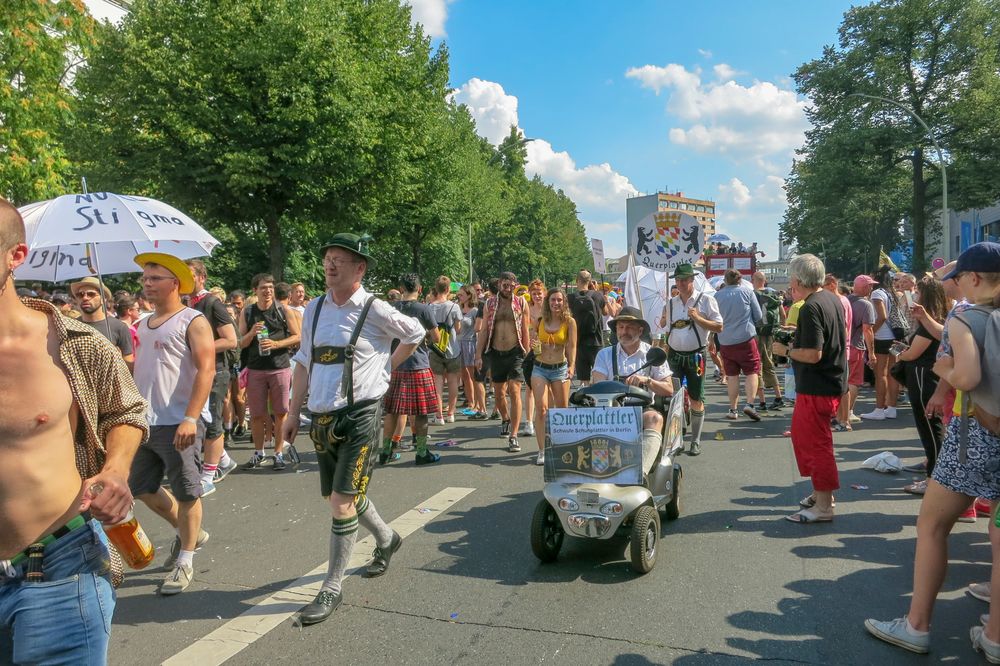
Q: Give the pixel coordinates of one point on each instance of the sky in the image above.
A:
(642, 96)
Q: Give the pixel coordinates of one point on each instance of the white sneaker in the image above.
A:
(890, 412)
(177, 580)
(528, 428)
(540, 460)
(854, 418)
(733, 415)
(450, 418)
(874, 415)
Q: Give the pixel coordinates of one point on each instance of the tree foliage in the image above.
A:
(40, 42)
(278, 123)
(868, 166)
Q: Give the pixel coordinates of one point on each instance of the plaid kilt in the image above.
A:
(411, 392)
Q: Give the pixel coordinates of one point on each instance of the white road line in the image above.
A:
(240, 632)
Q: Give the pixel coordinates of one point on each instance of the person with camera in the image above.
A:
(688, 318)
(818, 354)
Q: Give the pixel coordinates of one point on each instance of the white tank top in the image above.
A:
(165, 369)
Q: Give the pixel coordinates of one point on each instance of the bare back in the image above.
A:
(39, 482)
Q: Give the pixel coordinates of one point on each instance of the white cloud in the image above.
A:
(725, 117)
(735, 191)
(432, 14)
(704, 53)
(597, 189)
(767, 195)
(491, 107)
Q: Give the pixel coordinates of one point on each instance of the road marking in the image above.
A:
(240, 632)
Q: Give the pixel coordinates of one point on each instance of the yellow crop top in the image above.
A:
(557, 338)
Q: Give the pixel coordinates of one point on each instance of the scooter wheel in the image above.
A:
(546, 533)
(645, 535)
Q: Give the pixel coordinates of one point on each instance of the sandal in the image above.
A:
(806, 517)
(809, 502)
(916, 488)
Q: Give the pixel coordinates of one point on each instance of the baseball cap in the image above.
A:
(864, 281)
(979, 258)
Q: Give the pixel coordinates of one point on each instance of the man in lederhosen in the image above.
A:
(343, 364)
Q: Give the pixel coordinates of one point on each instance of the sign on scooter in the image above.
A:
(587, 444)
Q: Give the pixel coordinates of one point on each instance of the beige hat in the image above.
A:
(91, 282)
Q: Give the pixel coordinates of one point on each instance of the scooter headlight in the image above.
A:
(612, 509)
(566, 504)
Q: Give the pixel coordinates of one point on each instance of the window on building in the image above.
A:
(710, 210)
(673, 204)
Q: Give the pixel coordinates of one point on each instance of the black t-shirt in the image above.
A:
(276, 319)
(821, 326)
(420, 358)
(218, 316)
(587, 308)
(120, 337)
(929, 357)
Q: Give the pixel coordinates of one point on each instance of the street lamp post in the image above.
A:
(937, 147)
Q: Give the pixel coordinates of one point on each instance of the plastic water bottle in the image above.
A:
(263, 334)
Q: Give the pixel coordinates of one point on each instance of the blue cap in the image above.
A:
(979, 258)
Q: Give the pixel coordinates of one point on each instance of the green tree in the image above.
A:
(40, 43)
(869, 165)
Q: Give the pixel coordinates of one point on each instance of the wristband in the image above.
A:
(190, 419)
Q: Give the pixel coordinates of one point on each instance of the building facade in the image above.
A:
(702, 210)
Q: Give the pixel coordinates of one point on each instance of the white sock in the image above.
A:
(186, 557)
(225, 460)
(910, 630)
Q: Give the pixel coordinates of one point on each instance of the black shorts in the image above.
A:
(346, 443)
(507, 366)
(882, 346)
(528, 366)
(689, 366)
(158, 457)
(216, 401)
(585, 357)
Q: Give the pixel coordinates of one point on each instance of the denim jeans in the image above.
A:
(67, 618)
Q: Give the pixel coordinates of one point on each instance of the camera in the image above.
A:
(784, 337)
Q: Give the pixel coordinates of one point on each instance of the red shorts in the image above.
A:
(265, 386)
(812, 439)
(856, 368)
(743, 356)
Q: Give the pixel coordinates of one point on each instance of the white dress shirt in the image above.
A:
(627, 364)
(685, 339)
(371, 357)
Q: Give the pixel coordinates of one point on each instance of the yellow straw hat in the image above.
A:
(176, 266)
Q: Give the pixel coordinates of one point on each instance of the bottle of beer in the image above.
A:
(131, 541)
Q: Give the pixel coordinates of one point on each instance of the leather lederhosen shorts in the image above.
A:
(346, 443)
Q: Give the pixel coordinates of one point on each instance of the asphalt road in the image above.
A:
(734, 582)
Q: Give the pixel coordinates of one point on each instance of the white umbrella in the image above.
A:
(77, 235)
(653, 288)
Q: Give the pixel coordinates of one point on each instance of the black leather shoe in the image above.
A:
(695, 449)
(382, 556)
(320, 609)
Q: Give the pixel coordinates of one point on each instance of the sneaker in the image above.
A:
(969, 516)
(695, 449)
(733, 415)
(982, 644)
(890, 412)
(386, 458)
(240, 431)
(762, 407)
(874, 415)
(450, 418)
(175, 549)
(495, 414)
(305, 420)
(279, 462)
(468, 411)
(207, 488)
(528, 428)
(853, 418)
(916, 488)
(177, 580)
(837, 426)
(983, 508)
(432, 419)
(256, 460)
(751, 412)
(918, 468)
(894, 631)
(512, 445)
(293, 453)
(777, 403)
(540, 459)
(427, 458)
(479, 416)
(222, 471)
(980, 591)
(504, 428)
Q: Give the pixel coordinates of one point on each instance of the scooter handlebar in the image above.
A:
(626, 394)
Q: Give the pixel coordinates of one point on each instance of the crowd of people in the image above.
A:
(158, 384)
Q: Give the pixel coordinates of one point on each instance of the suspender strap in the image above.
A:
(614, 363)
(347, 379)
(347, 384)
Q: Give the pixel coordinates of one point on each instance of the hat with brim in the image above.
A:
(177, 267)
(351, 242)
(90, 282)
(684, 271)
(983, 257)
(631, 315)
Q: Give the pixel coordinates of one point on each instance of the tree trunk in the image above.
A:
(275, 248)
(918, 214)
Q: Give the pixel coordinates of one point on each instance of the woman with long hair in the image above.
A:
(918, 359)
(475, 392)
(966, 466)
(886, 302)
(555, 360)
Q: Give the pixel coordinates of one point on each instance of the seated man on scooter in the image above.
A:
(622, 359)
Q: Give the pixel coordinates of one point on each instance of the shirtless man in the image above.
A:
(57, 374)
(505, 339)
